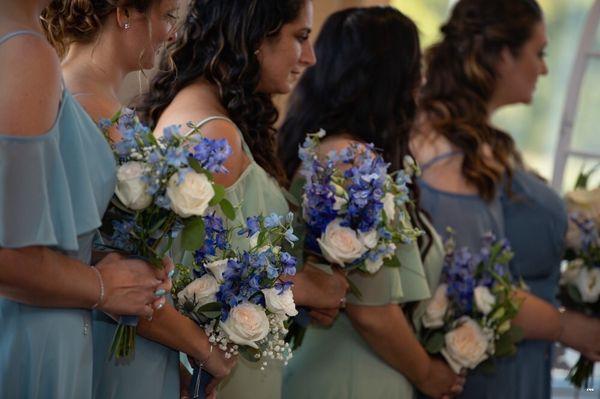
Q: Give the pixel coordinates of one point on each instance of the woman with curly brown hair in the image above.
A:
(102, 41)
(230, 58)
(474, 180)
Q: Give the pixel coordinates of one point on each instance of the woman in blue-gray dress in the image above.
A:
(473, 180)
(91, 37)
(58, 175)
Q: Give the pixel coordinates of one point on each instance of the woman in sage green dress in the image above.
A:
(221, 72)
(90, 36)
(361, 90)
(57, 176)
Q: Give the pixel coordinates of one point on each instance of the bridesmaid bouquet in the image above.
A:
(354, 210)
(239, 296)
(468, 320)
(580, 285)
(164, 187)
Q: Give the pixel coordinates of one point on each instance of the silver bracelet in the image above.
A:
(203, 363)
(101, 281)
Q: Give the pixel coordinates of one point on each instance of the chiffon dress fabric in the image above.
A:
(153, 371)
(55, 188)
(254, 193)
(533, 219)
(336, 362)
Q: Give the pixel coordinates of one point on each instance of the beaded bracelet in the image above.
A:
(101, 281)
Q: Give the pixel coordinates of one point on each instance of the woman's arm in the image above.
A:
(541, 320)
(40, 276)
(389, 334)
(172, 329)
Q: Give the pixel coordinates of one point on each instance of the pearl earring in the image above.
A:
(126, 26)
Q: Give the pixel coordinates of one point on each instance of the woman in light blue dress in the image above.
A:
(58, 175)
(474, 181)
(94, 66)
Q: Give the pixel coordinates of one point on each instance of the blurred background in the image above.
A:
(535, 127)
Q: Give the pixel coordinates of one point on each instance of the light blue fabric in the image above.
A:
(533, 219)
(152, 373)
(54, 191)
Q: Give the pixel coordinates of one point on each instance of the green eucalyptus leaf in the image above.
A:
(227, 209)
(193, 234)
(435, 342)
(219, 194)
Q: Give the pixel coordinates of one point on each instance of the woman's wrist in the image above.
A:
(101, 288)
(561, 324)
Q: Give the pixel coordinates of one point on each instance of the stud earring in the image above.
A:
(126, 26)
(257, 52)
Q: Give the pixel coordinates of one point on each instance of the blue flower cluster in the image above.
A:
(358, 175)
(216, 239)
(212, 154)
(464, 270)
(250, 271)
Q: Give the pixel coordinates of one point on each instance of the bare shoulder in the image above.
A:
(31, 86)
(186, 116)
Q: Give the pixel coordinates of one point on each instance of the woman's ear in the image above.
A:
(123, 18)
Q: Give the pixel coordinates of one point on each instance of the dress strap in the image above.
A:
(10, 35)
(223, 118)
(438, 158)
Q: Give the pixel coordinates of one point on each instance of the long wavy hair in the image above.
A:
(363, 85)
(218, 42)
(461, 78)
(80, 21)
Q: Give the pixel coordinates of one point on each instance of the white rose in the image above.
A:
(191, 197)
(280, 303)
(131, 190)
(588, 284)
(466, 345)
(484, 300)
(436, 308)
(340, 244)
(339, 203)
(369, 239)
(571, 272)
(247, 324)
(217, 268)
(389, 206)
(202, 290)
(373, 266)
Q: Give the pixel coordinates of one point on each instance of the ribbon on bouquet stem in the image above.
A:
(200, 380)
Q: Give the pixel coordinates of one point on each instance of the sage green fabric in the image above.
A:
(336, 362)
(254, 193)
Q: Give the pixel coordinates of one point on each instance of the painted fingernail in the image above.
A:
(159, 292)
(171, 273)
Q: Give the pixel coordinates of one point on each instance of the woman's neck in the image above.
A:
(94, 69)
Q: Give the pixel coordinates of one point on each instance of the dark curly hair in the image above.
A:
(70, 21)
(364, 85)
(218, 42)
(461, 78)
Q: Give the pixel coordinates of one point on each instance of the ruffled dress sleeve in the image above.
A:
(56, 186)
(407, 283)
